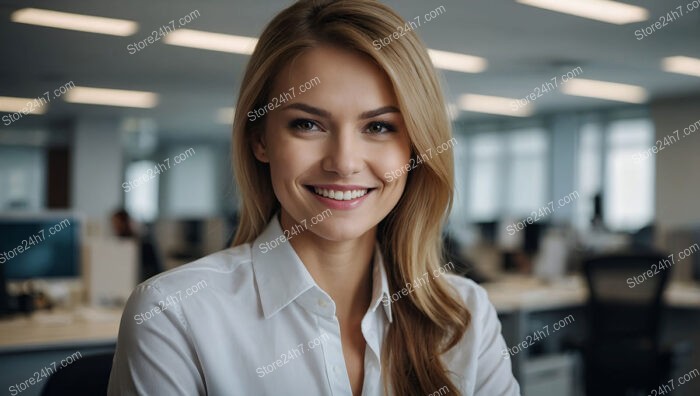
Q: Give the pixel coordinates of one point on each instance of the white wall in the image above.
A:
(96, 169)
(190, 188)
(678, 165)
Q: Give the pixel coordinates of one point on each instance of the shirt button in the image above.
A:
(322, 303)
(336, 370)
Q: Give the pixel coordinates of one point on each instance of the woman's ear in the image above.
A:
(259, 147)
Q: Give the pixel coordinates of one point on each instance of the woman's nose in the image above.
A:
(344, 154)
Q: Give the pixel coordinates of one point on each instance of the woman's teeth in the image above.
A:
(340, 195)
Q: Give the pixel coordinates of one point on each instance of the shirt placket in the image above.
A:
(323, 309)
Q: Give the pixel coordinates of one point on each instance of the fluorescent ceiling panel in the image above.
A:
(605, 90)
(212, 41)
(19, 105)
(457, 62)
(79, 22)
(682, 65)
(493, 105)
(601, 10)
(112, 97)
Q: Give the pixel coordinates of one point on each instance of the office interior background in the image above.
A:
(577, 142)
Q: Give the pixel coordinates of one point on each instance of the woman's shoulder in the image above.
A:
(216, 268)
(474, 296)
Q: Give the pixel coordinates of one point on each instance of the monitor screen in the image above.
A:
(40, 246)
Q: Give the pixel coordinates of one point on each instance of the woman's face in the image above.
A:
(344, 134)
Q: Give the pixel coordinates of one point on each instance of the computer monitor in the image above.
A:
(45, 245)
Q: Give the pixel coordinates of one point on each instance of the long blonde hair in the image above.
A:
(432, 319)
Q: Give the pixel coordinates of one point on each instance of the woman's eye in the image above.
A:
(304, 125)
(379, 128)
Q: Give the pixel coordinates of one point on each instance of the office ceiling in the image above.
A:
(524, 46)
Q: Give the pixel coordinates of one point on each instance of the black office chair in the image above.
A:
(623, 353)
(87, 376)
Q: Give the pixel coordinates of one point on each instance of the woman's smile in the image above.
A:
(336, 196)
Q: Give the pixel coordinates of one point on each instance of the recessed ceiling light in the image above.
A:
(79, 22)
(457, 62)
(493, 105)
(212, 41)
(600, 10)
(20, 105)
(112, 97)
(605, 90)
(682, 65)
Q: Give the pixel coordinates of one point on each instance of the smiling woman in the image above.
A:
(326, 152)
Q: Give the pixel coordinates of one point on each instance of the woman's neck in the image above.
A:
(342, 269)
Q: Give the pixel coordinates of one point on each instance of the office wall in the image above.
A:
(197, 186)
(678, 165)
(96, 169)
(563, 154)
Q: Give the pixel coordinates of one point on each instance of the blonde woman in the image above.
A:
(336, 283)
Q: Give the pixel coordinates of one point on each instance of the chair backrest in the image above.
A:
(88, 376)
(626, 292)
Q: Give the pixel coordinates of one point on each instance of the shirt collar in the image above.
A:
(281, 277)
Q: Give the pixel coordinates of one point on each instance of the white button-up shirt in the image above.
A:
(251, 320)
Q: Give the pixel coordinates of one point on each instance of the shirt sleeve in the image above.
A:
(154, 355)
(494, 375)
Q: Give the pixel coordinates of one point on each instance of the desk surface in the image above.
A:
(84, 326)
(514, 293)
(91, 326)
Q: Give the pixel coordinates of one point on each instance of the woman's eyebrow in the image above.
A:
(326, 114)
(379, 111)
(309, 109)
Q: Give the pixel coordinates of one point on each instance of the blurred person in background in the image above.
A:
(123, 226)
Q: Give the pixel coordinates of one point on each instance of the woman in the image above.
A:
(336, 283)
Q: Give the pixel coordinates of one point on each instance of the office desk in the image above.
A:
(525, 305)
(514, 293)
(29, 344)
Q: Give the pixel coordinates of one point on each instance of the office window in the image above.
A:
(22, 175)
(507, 174)
(629, 184)
(589, 172)
(527, 171)
(485, 176)
(141, 200)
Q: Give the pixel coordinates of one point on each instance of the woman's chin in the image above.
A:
(340, 232)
